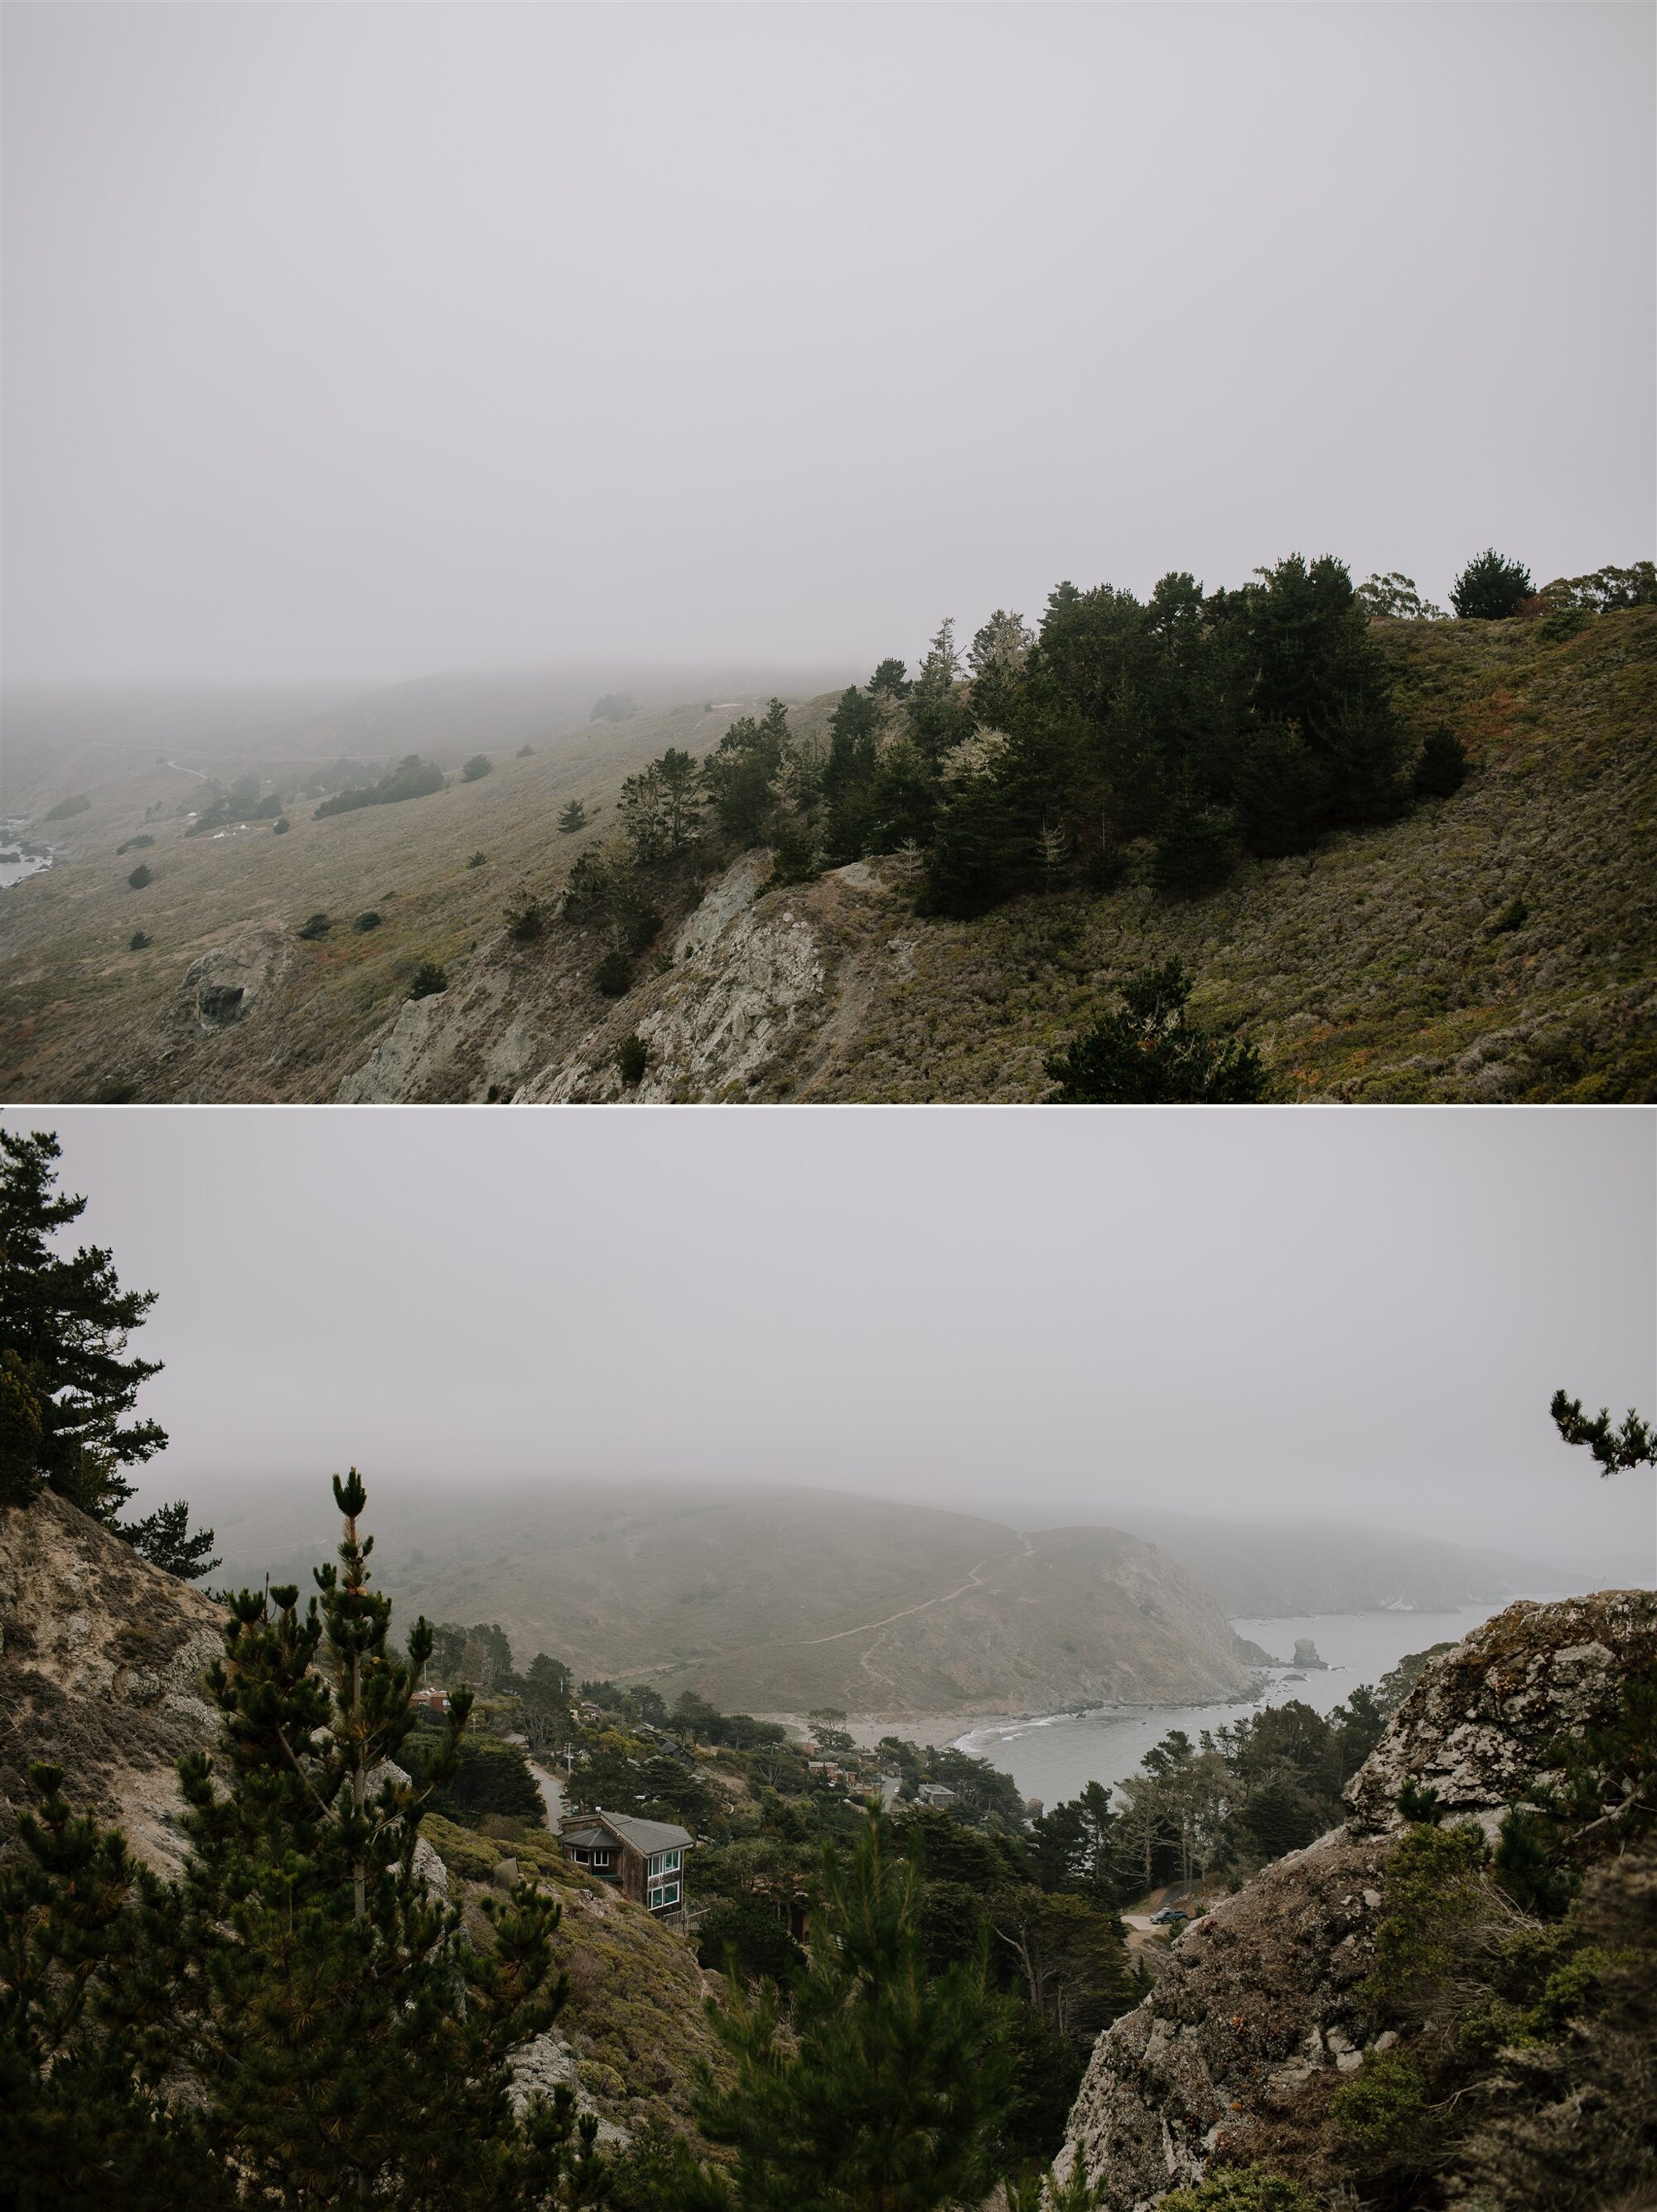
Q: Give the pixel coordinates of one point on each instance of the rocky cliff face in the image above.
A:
(1260, 2014)
(100, 1661)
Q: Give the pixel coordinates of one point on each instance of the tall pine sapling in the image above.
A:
(353, 2045)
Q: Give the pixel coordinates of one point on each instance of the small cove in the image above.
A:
(1053, 1756)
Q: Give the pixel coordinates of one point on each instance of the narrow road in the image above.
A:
(552, 1793)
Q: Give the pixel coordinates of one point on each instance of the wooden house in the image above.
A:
(644, 1859)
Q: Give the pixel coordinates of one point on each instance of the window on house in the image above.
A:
(601, 1858)
(665, 1863)
(665, 1894)
(581, 1858)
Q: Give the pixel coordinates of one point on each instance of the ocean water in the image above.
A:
(1054, 1757)
(13, 835)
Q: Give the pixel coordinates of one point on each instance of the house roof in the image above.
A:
(587, 1839)
(645, 1836)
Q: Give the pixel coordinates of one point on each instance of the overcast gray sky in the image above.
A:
(1349, 1315)
(362, 340)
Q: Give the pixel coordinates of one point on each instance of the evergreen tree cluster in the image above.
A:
(1206, 727)
(1211, 725)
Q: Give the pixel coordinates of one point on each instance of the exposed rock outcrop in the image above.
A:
(225, 986)
(1477, 1725)
(101, 1657)
(1259, 2013)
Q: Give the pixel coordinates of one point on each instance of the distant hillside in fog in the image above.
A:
(1262, 1569)
(783, 1600)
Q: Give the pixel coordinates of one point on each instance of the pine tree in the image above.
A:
(64, 1326)
(1489, 588)
(164, 1538)
(1151, 1053)
(886, 2089)
(89, 1962)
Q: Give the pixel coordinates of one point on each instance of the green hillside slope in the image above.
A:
(1497, 944)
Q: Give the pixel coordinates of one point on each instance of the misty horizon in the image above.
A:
(1354, 1317)
(351, 345)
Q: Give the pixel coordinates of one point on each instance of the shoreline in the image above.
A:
(950, 1730)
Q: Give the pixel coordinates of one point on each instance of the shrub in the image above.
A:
(65, 807)
(365, 922)
(614, 707)
(1508, 918)
(1240, 2188)
(139, 939)
(141, 875)
(525, 921)
(478, 766)
(281, 826)
(613, 974)
(428, 980)
(632, 1057)
(526, 752)
(477, 859)
(574, 818)
(316, 925)
(1489, 589)
(138, 844)
(1379, 2111)
(1442, 768)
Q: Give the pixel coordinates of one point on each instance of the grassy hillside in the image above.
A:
(84, 1016)
(1499, 944)
(780, 1600)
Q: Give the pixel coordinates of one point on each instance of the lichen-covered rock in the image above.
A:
(1259, 2015)
(547, 2062)
(1477, 1725)
(1259, 1996)
(101, 1657)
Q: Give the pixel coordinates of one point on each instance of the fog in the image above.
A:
(349, 344)
(1352, 1315)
